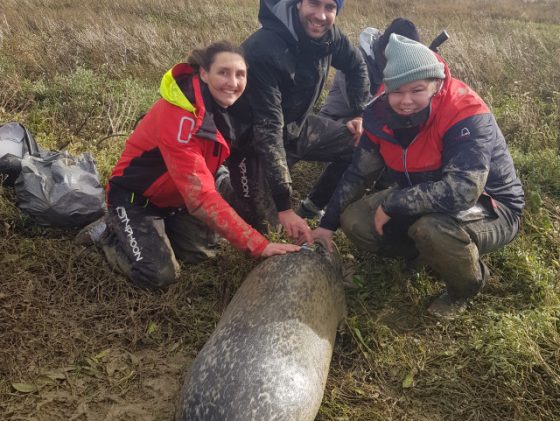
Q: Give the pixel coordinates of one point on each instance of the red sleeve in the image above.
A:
(187, 168)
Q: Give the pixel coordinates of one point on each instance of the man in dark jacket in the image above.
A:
(289, 58)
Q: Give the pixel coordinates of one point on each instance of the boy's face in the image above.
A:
(412, 97)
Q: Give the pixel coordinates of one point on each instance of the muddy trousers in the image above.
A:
(320, 140)
(145, 243)
(145, 247)
(451, 247)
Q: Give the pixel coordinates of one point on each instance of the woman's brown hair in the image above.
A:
(204, 57)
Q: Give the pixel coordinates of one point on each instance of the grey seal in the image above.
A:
(269, 357)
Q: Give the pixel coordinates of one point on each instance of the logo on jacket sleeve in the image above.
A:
(186, 126)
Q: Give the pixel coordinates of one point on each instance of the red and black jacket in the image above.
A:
(171, 158)
(458, 154)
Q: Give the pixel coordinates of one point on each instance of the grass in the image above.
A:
(77, 341)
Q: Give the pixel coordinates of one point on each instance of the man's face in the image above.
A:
(316, 16)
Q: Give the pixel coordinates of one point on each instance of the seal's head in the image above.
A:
(321, 249)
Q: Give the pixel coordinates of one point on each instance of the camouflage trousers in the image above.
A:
(145, 246)
(449, 244)
(318, 139)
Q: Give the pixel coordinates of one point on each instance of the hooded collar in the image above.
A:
(177, 87)
(183, 88)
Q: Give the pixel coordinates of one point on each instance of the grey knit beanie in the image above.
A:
(407, 61)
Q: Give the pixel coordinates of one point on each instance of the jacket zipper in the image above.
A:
(405, 151)
(404, 164)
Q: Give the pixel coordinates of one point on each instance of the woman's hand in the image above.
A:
(295, 226)
(278, 248)
(380, 219)
(324, 236)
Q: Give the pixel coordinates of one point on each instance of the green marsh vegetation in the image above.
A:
(78, 342)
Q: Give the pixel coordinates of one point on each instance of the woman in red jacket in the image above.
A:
(163, 199)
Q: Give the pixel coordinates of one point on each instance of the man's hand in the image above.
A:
(278, 248)
(380, 219)
(324, 236)
(355, 127)
(296, 227)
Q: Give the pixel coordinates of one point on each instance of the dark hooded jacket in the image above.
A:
(287, 72)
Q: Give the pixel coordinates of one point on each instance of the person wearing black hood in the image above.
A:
(289, 58)
(372, 43)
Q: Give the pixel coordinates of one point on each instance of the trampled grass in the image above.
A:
(78, 341)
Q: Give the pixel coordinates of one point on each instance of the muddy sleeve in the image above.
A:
(268, 124)
(187, 167)
(467, 151)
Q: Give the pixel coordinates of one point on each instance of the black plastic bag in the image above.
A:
(15, 143)
(57, 189)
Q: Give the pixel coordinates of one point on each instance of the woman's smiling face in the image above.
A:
(226, 78)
